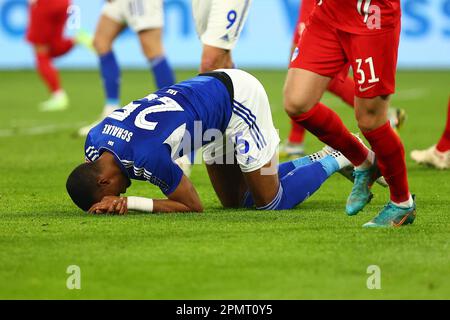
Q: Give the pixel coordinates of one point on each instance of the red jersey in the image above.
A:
(305, 10)
(49, 4)
(47, 20)
(359, 16)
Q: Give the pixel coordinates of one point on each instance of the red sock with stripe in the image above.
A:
(47, 71)
(444, 142)
(326, 125)
(390, 155)
(297, 133)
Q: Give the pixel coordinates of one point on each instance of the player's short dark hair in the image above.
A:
(82, 185)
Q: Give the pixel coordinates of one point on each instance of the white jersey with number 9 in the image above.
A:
(220, 22)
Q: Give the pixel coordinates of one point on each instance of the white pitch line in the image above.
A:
(38, 130)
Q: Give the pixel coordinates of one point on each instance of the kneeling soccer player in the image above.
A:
(225, 107)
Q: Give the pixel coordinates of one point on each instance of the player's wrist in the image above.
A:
(140, 204)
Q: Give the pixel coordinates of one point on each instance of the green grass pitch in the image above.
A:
(314, 251)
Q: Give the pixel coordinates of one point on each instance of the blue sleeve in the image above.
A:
(90, 149)
(165, 173)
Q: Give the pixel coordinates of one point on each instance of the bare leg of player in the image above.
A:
(212, 58)
(302, 94)
(262, 187)
(215, 58)
(371, 113)
(151, 43)
(152, 47)
(303, 90)
(294, 146)
(228, 183)
(105, 34)
(265, 189)
(107, 31)
(372, 116)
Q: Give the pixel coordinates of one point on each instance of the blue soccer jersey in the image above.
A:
(148, 134)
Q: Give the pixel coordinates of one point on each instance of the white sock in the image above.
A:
(58, 93)
(405, 204)
(370, 160)
(341, 160)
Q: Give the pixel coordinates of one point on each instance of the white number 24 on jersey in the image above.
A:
(167, 104)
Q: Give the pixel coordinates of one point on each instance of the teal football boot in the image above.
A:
(393, 216)
(361, 194)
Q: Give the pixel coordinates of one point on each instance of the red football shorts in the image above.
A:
(328, 51)
(47, 19)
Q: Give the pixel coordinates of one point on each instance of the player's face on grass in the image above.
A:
(112, 184)
(90, 182)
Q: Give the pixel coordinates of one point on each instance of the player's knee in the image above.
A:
(365, 125)
(41, 49)
(370, 117)
(295, 105)
(102, 46)
(368, 122)
(197, 208)
(227, 204)
(151, 42)
(152, 50)
(230, 202)
(152, 53)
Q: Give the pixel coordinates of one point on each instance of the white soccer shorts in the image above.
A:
(220, 22)
(139, 15)
(251, 134)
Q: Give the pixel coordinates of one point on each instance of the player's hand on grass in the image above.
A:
(111, 205)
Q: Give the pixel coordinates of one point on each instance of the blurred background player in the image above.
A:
(146, 18)
(342, 86)
(437, 156)
(47, 19)
(219, 24)
(365, 34)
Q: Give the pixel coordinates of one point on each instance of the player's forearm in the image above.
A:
(161, 206)
(168, 206)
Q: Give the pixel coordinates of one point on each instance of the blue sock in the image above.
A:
(329, 164)
(295, 187)
(162, 72)
(110, 72)
(286, 167)
(300, 162)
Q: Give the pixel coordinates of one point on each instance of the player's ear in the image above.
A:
(103, 181)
